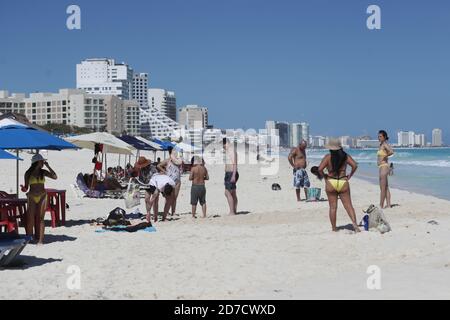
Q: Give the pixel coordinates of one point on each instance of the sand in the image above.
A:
(275, 249)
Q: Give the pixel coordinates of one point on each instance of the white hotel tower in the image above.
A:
(105, 76)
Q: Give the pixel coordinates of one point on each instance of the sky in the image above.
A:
(250, 61)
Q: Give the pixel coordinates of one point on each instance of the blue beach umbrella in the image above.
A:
(17, 136)
(7, 156)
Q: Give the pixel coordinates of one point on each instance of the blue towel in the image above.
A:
(148, 229)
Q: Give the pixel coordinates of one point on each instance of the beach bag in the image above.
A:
(133, 195)
(313, 194)
(375, 219)
(276, 187)
(116, 218)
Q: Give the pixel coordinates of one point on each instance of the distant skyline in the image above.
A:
(252, 61)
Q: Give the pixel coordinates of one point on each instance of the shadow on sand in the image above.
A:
(25, 262)
(242, 213)
(346, 227)
(50, 238)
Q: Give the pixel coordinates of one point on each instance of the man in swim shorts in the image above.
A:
(297, 159)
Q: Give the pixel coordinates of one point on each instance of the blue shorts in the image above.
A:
(228, 185)
(301, 179)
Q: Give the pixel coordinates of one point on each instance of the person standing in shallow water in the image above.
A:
(231, 175)
(37, 196)
(383, 154)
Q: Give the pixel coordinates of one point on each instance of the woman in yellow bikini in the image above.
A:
(37, 196)
(383, 154)
(337, 181)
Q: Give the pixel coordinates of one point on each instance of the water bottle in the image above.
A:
(366, 222)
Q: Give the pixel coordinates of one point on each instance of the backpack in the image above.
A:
(116, 218)
(276, 187)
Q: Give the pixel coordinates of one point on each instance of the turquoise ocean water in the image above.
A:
(424, 171)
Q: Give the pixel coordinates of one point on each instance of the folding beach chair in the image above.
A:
(11, 248)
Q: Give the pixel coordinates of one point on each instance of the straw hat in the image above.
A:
(333, 144)
(37, 157)
(142, 163)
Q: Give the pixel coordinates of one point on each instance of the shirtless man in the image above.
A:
(198, 176)
(297, 159)
(231, 175)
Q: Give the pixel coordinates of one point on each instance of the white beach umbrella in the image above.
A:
(110, 143)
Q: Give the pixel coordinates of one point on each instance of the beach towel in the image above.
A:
(144, 226)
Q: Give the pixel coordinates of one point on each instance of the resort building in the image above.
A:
(296, 132)
(193, 117)
(164, 101)
(367, 144)
(75, 107)
(105, 76)
(406, 139)
(419, 140)
(436, 138)
(140, 89)
(284, 133)
(12, 103)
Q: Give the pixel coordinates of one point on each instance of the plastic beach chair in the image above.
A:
(11, 248)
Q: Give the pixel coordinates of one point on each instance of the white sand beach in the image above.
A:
(276, 249)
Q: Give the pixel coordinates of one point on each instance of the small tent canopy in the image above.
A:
(137, 144)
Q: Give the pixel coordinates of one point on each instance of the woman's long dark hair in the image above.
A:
(33, 168)
(338, 158)
(384, 134)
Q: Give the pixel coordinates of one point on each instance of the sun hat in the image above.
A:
(333, 144)
(37, 157)
(142, 163)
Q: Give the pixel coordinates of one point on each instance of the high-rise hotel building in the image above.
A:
(105, 76)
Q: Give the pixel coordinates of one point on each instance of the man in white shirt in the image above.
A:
(159, 183)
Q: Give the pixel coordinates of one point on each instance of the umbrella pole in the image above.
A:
(17, 173)
(106, 165)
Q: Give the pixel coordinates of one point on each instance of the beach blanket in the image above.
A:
(145, 227)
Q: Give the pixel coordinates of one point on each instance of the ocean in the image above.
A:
(425, 171)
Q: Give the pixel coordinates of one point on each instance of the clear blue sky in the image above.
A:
(249, 60)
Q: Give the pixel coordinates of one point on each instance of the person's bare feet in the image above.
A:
(356, 228)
